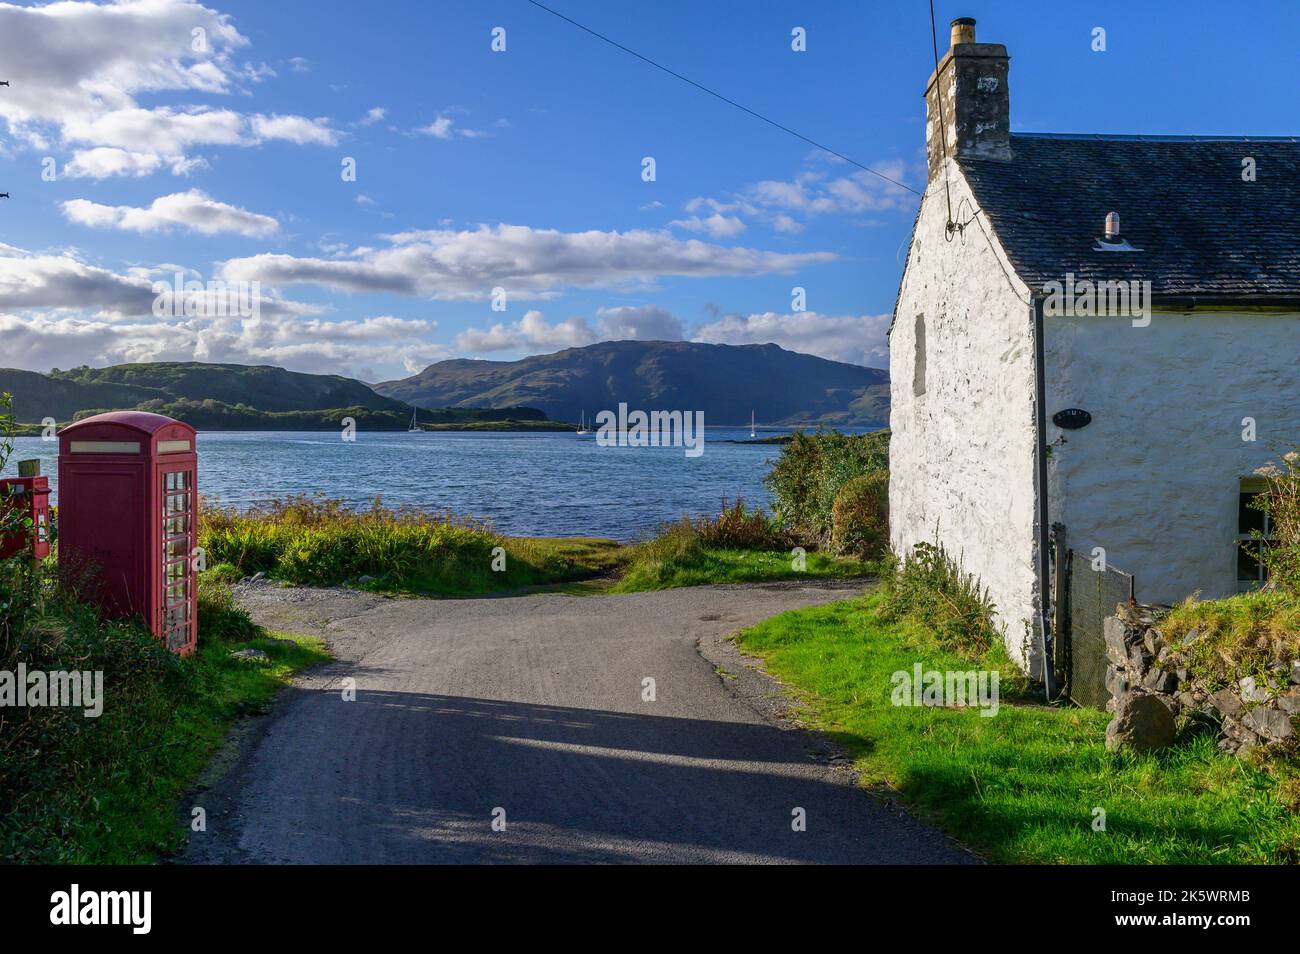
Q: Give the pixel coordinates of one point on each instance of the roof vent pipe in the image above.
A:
(963, 31)
(1112, 226)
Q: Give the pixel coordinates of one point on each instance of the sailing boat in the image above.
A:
(752, 432)
(583, 430)
(414, 428)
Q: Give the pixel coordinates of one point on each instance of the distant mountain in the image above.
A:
(724, 381)
(223, 397)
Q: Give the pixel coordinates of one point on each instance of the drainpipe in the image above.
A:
(1044, 524)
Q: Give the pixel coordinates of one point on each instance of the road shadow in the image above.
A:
(396, 777)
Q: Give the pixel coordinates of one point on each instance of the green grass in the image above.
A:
(1022, 786)
(709, 565)
(317, 542)
(106, 790)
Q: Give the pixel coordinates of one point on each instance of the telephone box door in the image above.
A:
(176, 621)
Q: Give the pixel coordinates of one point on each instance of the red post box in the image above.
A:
(28, 493)
(127, 511)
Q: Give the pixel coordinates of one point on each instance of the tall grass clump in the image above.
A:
(737, 528)
(737, 545)
(320, 542)
(810, 473)
(929, 587)
(314, 541)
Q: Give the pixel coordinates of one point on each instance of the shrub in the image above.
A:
(930, 588)
(735, 528)
(860, 516)
(1281, 501)
(810, 472)
(19, 592)
(319, 542)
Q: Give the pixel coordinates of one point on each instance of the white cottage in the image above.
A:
(1031, 390)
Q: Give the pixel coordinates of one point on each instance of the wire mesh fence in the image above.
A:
(1092, 594)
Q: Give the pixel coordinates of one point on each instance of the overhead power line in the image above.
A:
(730, 102)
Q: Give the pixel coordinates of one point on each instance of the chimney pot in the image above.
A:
(963, 31)
(1112, 224)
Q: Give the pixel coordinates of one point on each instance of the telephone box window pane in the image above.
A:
(178, 503)
(178, 549)
(178, 525)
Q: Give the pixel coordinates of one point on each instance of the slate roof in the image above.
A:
(1202, 231)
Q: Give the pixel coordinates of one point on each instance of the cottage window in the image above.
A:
(1254, 534)
(918, 368)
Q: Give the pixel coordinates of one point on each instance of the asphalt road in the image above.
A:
(530, 710)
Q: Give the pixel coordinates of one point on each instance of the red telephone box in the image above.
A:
(128, 509)
(30, 494)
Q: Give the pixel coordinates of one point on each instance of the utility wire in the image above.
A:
(938, 98)
(717, 95)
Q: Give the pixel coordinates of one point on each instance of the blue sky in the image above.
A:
(522, 169)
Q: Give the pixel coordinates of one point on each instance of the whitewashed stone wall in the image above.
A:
(1154, 478)
(962, 455)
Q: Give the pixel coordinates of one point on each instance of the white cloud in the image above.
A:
(193, 210)
(856, 339)
(79, 68)
(104, 161)
(527, 262)
(783, 223)
(533, 333)
(812, 192)
(717, 225)
(60, 281)
(295, 129)
(372, 116)
(444, 127)
(639, 322)
(815, 192)
(440, 127)
(373, 348)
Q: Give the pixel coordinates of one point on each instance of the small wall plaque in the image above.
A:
(1072, 418)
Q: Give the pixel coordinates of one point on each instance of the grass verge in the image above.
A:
(652, 568)
(311, 541)
(318, 542)
(104, 790)
(1024, 785)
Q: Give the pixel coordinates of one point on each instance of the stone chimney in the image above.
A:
(971, 87)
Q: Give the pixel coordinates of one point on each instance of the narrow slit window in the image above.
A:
(918, 368)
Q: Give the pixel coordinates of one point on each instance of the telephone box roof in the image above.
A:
(142, 421)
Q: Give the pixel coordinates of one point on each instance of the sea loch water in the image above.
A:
(526, 484)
